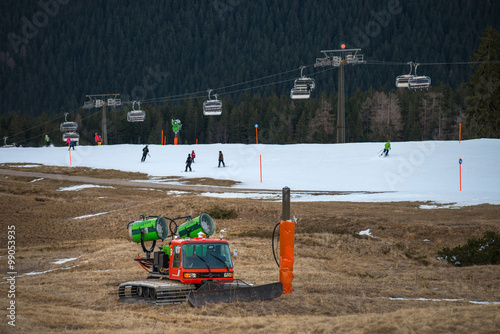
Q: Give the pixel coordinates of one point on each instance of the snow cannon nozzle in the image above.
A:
(148, 229)
(190, 229)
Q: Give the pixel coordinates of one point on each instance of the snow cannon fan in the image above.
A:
(148, 230)
(190, 229)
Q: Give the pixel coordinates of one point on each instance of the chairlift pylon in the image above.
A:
(212, 107)
(302, 86)
(68, 126)
(136, 115)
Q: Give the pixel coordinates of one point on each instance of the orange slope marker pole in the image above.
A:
(260, 156)
(162, 137)
(459, 132)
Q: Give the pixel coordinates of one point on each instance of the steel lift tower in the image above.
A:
(339, 58)
(101, 101)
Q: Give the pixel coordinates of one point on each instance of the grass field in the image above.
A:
(344, 282)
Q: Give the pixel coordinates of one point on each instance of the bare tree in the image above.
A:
(384, 113)
(430, 115)
(321, 125)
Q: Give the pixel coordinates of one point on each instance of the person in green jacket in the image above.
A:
(47, 141)
(386, 148)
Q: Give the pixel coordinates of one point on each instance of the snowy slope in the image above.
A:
(413, 171)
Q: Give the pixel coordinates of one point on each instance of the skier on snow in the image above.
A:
(221, 159)
(386, 148)
(71, 143)
(189, 160)
(145, 152)
(193, 155)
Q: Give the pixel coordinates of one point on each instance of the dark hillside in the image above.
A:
(53, 53)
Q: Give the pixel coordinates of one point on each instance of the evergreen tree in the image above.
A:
(483, 111)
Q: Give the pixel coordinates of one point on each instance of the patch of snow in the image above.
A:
(37, 179)
(91, 215)
(250, 195)
(436, 206)
(46, 271)
(61, 261)
(82, 186)
(29, 166)
(441, 300)
(367, 232)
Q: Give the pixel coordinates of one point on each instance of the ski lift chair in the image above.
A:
(302, 87)
(136, 115)
(304, 83)
(75, 136)
(300, 94)
(68, 126)
(212, 107)
(419, 82)
(322, 62)
(336, 61)
(88, 105)
(5, 143)
(114, 102)
(402, 80)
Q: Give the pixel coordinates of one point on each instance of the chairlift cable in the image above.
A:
(275, 82)
(391, 63)
(38, 125)
(200, 94)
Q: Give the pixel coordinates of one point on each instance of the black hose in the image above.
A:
(147, 251)
(173, 230)
(274, 253)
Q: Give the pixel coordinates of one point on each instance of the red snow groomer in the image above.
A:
(192, 267)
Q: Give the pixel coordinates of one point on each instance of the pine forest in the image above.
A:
(166, 55)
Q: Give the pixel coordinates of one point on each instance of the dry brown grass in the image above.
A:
(343, 282)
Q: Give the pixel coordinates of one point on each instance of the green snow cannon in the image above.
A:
(190, 229)
(176, 125)
(151, 229)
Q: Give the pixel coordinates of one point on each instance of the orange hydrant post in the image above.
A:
(287, 241)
